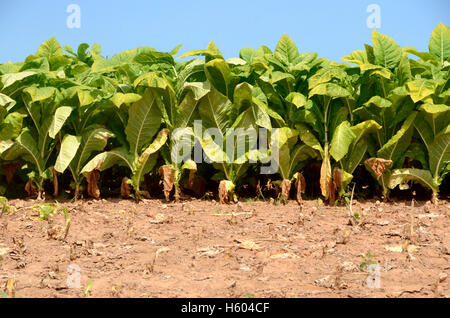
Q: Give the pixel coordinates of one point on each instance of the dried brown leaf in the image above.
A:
(285, 189)
(325, 177)
(92, 179)
(166, 173)
(125, 189)
(300, 185)
(55, 181)
(31, 189)
(224, 195)
(378, 165)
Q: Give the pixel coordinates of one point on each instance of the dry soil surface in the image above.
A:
(120, 248)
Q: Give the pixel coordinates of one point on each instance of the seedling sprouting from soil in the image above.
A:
(87, 289)
(368, 260)
(4, 207)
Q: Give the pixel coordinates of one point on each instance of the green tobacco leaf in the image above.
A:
(60, 117)
(11, 126)
(356, 155)
(419, 89)
(325, 75)
(211, 52)
(400, 176)
(439, 44)
(38, 94)
(49, 48)
(398, 144)
(219, 74)
(69, 148)
(143, 122)
(248, 54)
(362, 129)
(378, 101)
(329, 89)
(5, 145)
(286, 50)
(92, 140)
(297, 99)
(242, 98)
(290, 159)
(342, 139)
(119, 98)
(387, 52)
(307, 136)
(141, 166)
(26, 148)
(358, 57)
(199, 89)
(439, 153)
(154, 57)
(214, 110)
(6, 101)
(151, 79)
(10, 79)
(105, 160)
(187, 109)
(434, 109)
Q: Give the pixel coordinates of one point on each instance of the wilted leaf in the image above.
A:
(285, 189)
(378, 165)
(125, 189)
(55, 181)
(166, 173)
(300, 185)
(92, 179)
(31, 189)
(225, 191)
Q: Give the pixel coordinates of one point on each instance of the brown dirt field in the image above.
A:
(204, 249)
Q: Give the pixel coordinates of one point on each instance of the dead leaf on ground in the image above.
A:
(92, 179)
(248, 245)
(378, 165)
(327, 282)
(400, 248)
(158, 219)
(210, 251)
(284, 255)
(4, 251)
(162, 250)
(167, 175)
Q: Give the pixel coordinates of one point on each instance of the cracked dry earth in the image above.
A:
(204, 249)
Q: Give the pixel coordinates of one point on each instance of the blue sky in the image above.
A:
(331, 28)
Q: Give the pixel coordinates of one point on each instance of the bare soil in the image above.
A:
(205, 249)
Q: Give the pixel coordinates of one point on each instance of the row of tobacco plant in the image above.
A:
(75, 112)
